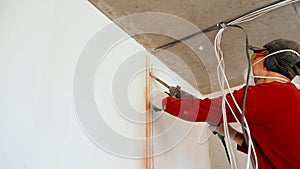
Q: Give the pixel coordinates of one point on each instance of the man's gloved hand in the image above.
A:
(178, 93)
(174, 91)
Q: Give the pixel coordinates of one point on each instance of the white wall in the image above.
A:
(40, 46)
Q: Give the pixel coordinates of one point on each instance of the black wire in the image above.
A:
(246, 89)
(165, 46)
(222, 138)
(211, 28)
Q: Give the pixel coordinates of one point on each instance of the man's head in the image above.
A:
(285, 63)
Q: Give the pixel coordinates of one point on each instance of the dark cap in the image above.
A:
(286, 63)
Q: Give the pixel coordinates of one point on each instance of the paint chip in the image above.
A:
(200, 48)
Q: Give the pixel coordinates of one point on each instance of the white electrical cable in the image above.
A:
(271, 77)
(221, 67)
(260, 12)
(246, 123)
(220, 58)
(295, 83)
(274, 53)
(218, 49)
(219, 55)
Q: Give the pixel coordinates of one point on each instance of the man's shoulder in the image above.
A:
(274, 87)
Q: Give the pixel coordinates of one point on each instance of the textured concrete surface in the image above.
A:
(194, 60)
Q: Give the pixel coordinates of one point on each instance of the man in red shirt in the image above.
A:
(272, 107)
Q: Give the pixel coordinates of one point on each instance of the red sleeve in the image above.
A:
(206, 110)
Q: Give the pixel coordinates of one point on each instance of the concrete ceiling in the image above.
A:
(194, 59)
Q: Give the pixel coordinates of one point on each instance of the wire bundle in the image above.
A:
(259, 12)
(222, 78)
(244, 18)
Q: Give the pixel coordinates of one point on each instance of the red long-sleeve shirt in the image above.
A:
(273, 115)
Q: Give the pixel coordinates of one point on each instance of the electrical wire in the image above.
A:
(165, 46)
(246, 124)
(221, 79)
(219, 55)
(246, 91)
(259, 12)
(221, 67)
(271, 77)
(240, 19)
(274, 53)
